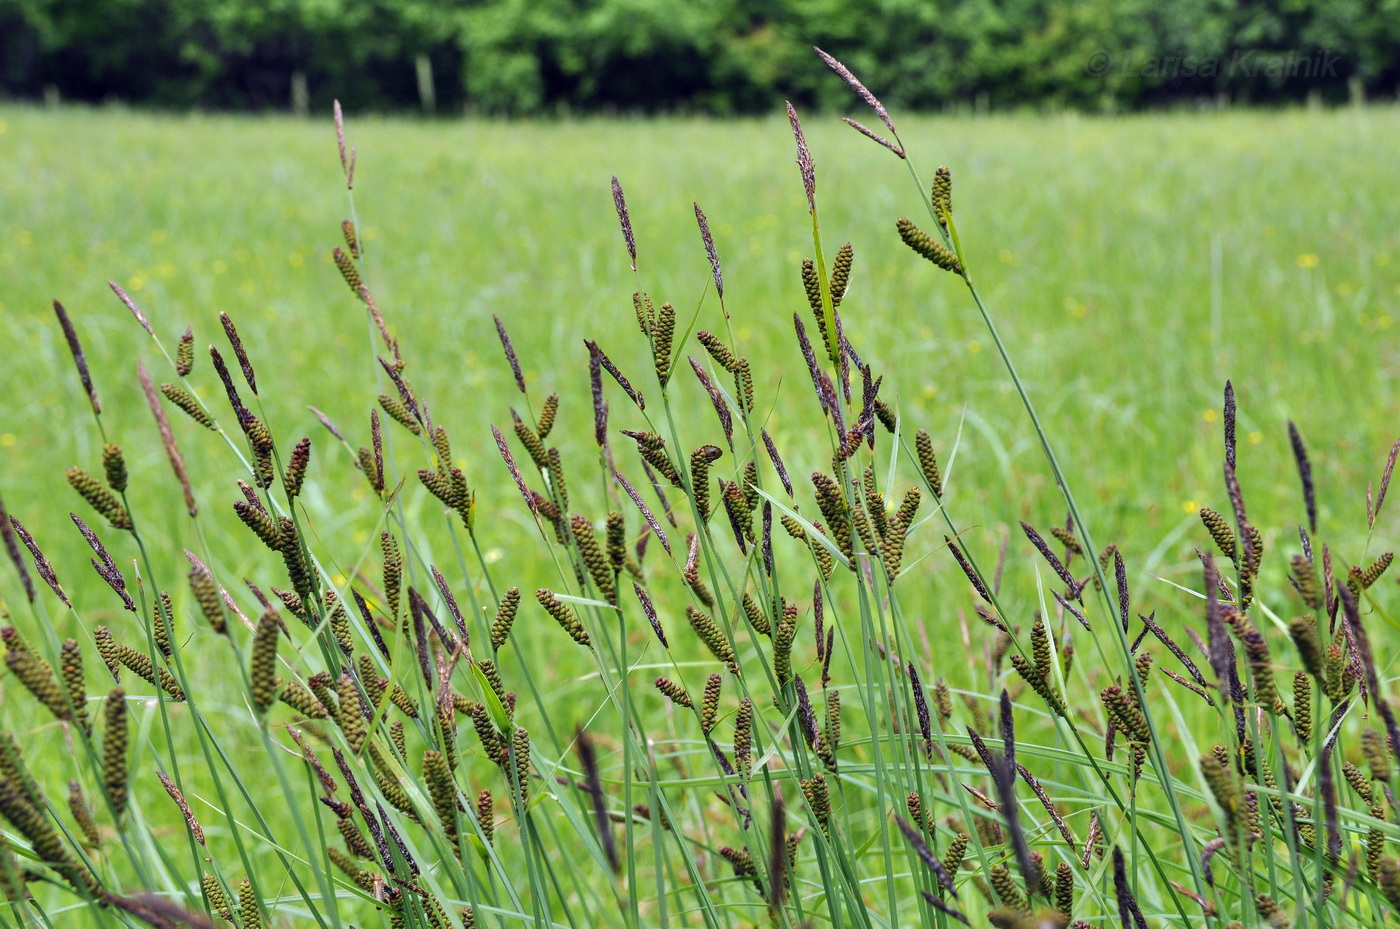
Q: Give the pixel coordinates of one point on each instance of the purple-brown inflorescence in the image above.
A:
(624, 219)
(804, 159)
(710, 252)
(79, 359)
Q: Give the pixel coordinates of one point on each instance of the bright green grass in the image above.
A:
(1132, 264)
(1135, 264)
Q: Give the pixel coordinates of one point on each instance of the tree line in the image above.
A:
(719, 57)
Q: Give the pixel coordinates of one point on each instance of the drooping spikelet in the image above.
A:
(1260, 663)
(942, 197)
(782, 643)
(295, 474)
(1005, 886)
(652, 448)
(37, 677)
(646, 312)
(1220, 530)
(757, 618)
(713, 637)
(294, 560)
(206, 594)
(300, 699)
(832, 503)
(214, 893)
(352, 241)
(114, 743)
(392, 572)
(674, 692)
(520, 748)
(661, 335)
(262, 671)
(186, 402)
(443, 791)
(505, 618)
(1375, 846)
(82, 814)
(709, 704)
(928, 462)
(261, 522)
(351, 718)
(615, 536)
(593, 557)
(953, 856)
(399, 413)
(564, 615)
(1221, 780)
(486, 815)
(74, 684)
(812, 284)
(743, 738)
(841, 273)
(248, 901)
(928, 247)
(114, 465)
(1305, 578)
(740, 512)
(1303, 631)
(1389, 879)
(184, 353)
(831, 741)
(1302, 706)
(1064, 888)
(700, 461)
(818, 796)
(1362, 578)
(1376, 753)
(101, 499)
(348, 271)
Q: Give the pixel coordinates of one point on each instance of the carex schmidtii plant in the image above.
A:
(721, 709)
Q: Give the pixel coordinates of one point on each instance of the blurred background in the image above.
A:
(693, 56)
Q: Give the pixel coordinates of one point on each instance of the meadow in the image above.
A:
(1133, 265)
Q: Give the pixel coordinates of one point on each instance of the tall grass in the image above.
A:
(682, 670)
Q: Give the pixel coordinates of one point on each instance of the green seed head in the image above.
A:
(114, 464)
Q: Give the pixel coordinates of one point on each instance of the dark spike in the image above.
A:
(510, 353)
(624, 219)
(239, 352)
(76, 348)
(1230, 424)
(1300, 455)
(589, 760)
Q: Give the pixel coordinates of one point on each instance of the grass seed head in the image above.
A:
(263, 668)
(505, 618)
(183, 399)
(79, 358)
(214, 894)
(709, 704)
(352, 241)
(101, 499)
(348, 270)
(295, 474)
(928, 247)
(661, 335)
(840, 273)
(114, 465)
(114, 744)
(564, 615)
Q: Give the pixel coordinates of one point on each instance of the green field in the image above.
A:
(1132, 265)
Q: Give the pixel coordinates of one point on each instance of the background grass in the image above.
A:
(1134, 265)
